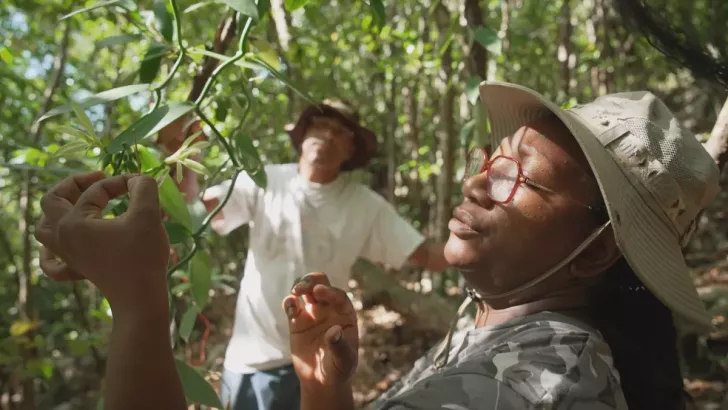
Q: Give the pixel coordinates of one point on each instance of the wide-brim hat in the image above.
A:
(655, 178)
(365, 141)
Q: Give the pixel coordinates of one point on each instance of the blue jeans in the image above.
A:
(274, 389)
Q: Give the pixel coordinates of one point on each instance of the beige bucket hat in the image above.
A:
(654, 175)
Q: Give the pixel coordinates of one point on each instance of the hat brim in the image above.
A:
(649, 246)
(365, 140)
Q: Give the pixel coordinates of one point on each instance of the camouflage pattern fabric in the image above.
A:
(542, 361)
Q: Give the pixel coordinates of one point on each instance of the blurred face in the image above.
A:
(499, 246)
(327, 143)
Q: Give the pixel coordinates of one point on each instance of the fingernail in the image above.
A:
(337, 337)
(290, 309)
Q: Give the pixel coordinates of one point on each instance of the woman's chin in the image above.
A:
(464, 254)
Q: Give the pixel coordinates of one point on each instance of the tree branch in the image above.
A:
(717, 145)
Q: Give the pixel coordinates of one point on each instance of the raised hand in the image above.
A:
(125, 257)
(324, 334)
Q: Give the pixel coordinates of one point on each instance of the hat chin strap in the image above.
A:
(538, 279)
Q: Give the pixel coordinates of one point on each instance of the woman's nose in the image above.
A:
(475, 189)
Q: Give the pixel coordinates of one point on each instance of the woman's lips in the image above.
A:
(460, 226)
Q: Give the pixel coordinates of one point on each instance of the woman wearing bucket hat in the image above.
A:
(570, 238)
(312, 216)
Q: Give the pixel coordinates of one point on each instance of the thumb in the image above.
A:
(143, 196)
(343, 354)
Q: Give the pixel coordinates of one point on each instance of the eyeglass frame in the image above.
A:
(522, 179)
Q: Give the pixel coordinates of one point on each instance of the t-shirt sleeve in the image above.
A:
(391, 239)
(240, 208)
(459, 392)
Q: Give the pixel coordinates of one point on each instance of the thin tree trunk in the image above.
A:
(717, 145)
(565, 48)
(26, 302)
(390, 137)
(607, 67)
(478, 58)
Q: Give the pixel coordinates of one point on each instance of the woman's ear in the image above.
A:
(597, 257)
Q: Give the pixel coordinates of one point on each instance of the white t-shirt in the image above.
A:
(299, 227)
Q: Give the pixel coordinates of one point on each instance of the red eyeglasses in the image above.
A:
(504, 176)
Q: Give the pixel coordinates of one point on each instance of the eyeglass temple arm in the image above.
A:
(535, 184)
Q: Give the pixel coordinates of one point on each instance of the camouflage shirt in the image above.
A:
(542, 361)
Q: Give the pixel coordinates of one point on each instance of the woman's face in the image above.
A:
(498, 247)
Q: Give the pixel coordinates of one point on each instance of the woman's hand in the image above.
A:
(324, 335)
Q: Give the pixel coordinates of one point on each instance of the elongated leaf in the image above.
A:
(164, 19)
(151, 63)
(197, 6)
(295, 4)
(117, 40)
(195, 166)
(6, 56)
(75, 132)
(94, 7)
(245, 7)
(267, 54)
(83, 119)
(259, 177)
(71, 149)
(247, 153)
(200, 278)
(488, 38)
(170, 198)
(223, 106)
(150, 124)
(176, 232)
(256, 61)
(100, 98)
(180, 288)
(188, 322)
(378, 12)
(196, 388)
(263, 8)
(472, 85)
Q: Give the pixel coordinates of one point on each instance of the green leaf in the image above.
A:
(245, 7)
(472, 90)
(197, 6)
(195, 166)
(196, 388)
(188, 322)
(151, 63)
(75, 132)
(176, 232)
(6, 56)
(94, 7)
(267, 54)
(116, 40)
(150, 124)
(71, 149)
(263, 8)
(488, 38)
(223, 106)
(180, 288)
(200, 278)
(83, 119)
(378, 12)
(247, 153)
(259, 177)
(295, 4)
(100, 98)
(170, 198)
(164, 19)
(256, 61)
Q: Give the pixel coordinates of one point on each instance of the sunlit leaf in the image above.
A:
(188, 322)
(150, 124)
(200, 278)
(197, 6)
(472, 89)
(6, 56)
(196, 388)
(164, 19)
(22, 327)
(117, 40)
(267, 54)
(151, 63)
(245, 7)
(100, 98)
(176, 232)
(41, 367)
(83, 119)
(95, 6)
(170, 198)
(295, 4)
(488, 38)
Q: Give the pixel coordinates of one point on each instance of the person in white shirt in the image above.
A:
(312, 217)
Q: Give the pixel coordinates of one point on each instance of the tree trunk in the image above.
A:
(717, 145)
(26, 302)
(390, 139)
(565, 49)
(478, 58)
